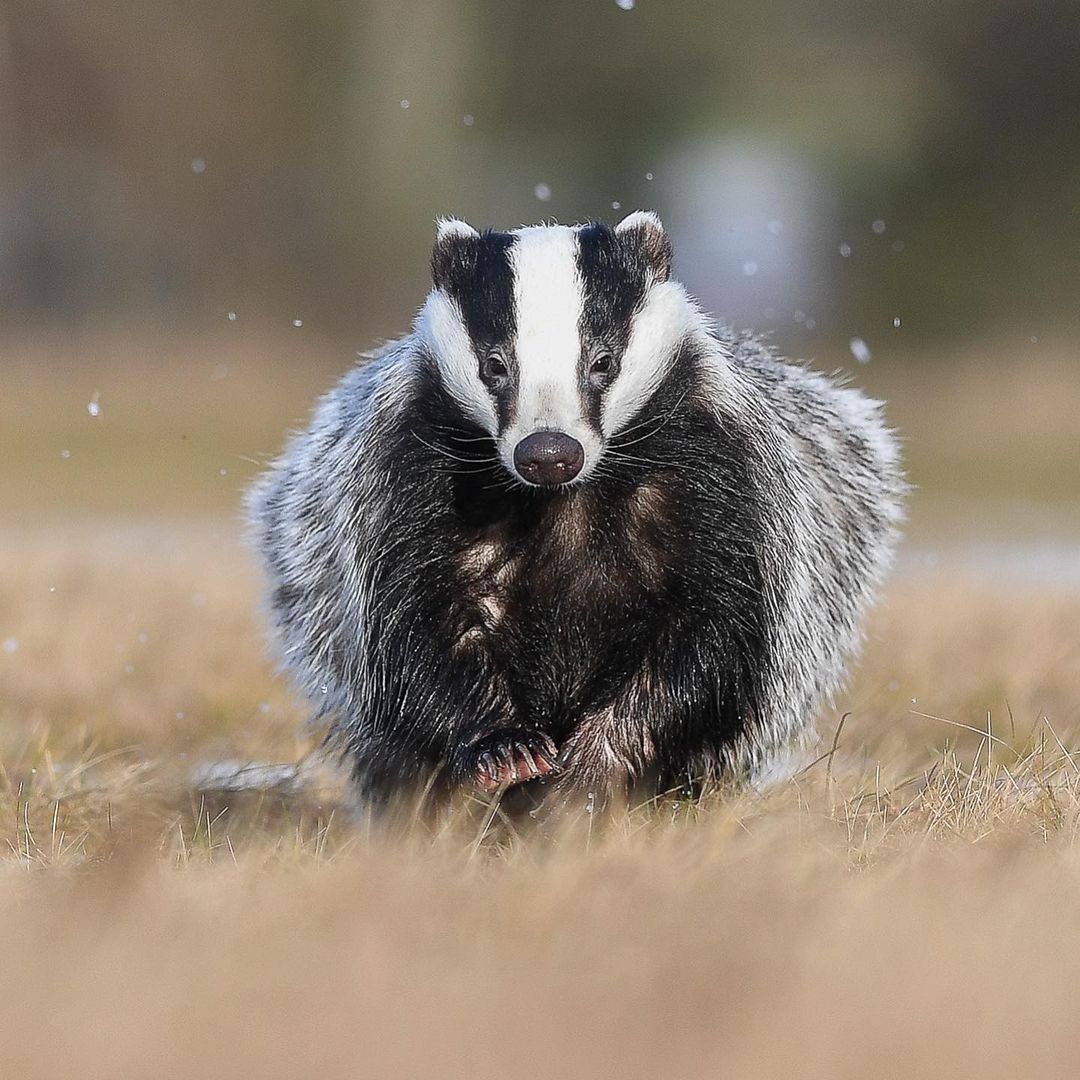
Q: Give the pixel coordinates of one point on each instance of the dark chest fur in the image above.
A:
(585, 547)
(558, 597)
(559, 590)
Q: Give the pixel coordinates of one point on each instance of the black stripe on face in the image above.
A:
(615, 275)
(477, 274)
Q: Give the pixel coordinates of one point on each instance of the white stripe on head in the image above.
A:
(439, 324)
(657, 330)
(548, 298)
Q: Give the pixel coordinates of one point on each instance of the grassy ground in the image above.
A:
(909, 906)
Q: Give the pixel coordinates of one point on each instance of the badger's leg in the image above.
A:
(446, 708)
(444, 720)
(493, 749)
(608, 752)
(680, 707)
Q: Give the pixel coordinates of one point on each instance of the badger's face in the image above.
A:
(553, 338)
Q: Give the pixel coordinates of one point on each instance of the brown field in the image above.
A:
(909, 906)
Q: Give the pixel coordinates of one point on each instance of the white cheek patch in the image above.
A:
(548, 299)
(657, 329)
(440, 326)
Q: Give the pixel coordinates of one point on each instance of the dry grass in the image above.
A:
(908, 907)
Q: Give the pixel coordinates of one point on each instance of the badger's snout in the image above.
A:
(548, 458)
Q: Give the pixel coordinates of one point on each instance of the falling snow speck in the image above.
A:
(648, 176)
(749, 268)
(468, 119)
(11, 645)
(898, 246)
(896, 322)
(198, 166)
(860, 350)
(878, 226)
(845, 250)
(223, 472)
(626, 5)
(65, 454)
(93, 406)
(616, 205)
(298, 323)
(811, 323)
(405, 102)
(542, 192)
(232, 316)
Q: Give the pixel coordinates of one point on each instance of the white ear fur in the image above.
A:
(640, 219)
(447, 227)
(644, 232)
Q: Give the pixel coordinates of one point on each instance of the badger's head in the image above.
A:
(554, 338)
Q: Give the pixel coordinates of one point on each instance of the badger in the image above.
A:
(570, 536)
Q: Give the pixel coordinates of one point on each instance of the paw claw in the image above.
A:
(511, 756)
(488, 771)
(525, 756)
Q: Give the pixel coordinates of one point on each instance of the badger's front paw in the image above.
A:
(509, 756)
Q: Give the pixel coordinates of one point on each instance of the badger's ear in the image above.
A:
(452, 239)
(643, 232)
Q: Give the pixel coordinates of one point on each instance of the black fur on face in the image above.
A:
(615, 277)
(616, 272)
(476, 273)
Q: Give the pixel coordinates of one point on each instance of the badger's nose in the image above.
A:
(549, 458)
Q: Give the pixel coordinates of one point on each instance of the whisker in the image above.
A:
(464, 433)
(635, 459)
(446, 453)
(455, 437)
(638, 426)
(659, 427)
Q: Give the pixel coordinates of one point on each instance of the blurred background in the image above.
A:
(207, 209)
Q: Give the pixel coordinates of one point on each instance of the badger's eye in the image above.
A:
(600, 369)
(493, 369)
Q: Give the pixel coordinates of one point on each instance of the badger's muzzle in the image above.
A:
(548, 458)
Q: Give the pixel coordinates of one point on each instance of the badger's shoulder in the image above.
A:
(342, 432)
(830, 490)
(315, 515)
(829, 427)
